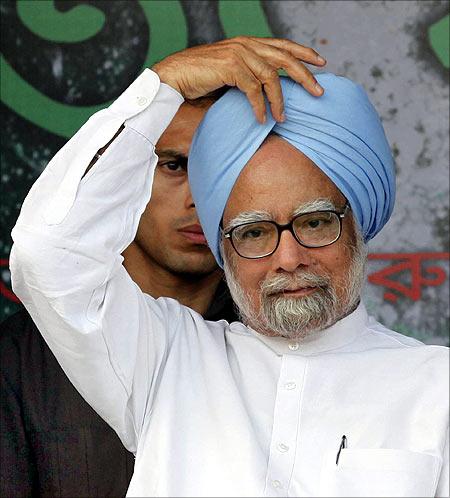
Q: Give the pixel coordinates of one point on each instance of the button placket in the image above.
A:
(285, 425)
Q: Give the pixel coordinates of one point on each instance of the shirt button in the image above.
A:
(293, 346)
(290, 385)
(283, 448)
(142, 100)
(277, 484)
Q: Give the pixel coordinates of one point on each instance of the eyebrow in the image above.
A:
(172, 153)
(322, 204)
(248, 217)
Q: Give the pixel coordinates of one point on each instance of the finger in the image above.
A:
(300, 73)
(251, 86)
(305, 54)
(281, 58)
(272, 89)
(269, 78)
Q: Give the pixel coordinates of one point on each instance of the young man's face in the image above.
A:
(303, 285)
(169, 231)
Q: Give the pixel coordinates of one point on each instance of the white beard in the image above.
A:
(298, 317)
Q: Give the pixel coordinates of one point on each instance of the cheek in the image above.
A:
(340, 254)
(155, 223)
(333, 262)
(165, 206)
(160, 193)
(168, 188)
(250, 274)
(340, 271)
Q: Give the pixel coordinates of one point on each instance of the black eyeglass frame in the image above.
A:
(289, 226)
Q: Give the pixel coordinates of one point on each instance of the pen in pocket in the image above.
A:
(341, 447)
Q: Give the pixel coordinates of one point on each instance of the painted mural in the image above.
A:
(62, 60)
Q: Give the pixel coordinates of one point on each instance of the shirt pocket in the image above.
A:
(379, 472)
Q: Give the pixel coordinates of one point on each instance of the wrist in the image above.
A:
(166, 76)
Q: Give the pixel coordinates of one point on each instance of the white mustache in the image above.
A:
(292, 281)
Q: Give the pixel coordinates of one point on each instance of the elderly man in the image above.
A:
(307, 396)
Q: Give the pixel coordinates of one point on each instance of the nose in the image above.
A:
(290, 255)
(189, 201)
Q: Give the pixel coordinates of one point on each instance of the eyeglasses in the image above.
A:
(257, 239)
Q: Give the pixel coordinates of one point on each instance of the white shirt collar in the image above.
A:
(338, 335)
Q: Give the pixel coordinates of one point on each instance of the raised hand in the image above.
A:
(248, 63)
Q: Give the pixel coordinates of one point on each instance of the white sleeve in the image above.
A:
(443, 489)
(66, 263)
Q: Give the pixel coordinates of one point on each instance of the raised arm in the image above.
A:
(66, 262)
(66, 265)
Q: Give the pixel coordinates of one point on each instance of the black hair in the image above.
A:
(208, 98)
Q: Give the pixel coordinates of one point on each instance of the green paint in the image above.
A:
(243, 18)
(77, 24)
(168, 30)
(36, 107)
(439, 36)
(63, 119)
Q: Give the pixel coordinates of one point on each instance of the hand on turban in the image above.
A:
(340, 132)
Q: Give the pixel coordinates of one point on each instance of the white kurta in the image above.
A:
(211, 408)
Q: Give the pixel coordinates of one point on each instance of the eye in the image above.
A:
(316, 221)
(174, 167)
(251, 232)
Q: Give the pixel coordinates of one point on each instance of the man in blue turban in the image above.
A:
(335, 142)
(307, 395)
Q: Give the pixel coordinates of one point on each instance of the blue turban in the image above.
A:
(340, 132)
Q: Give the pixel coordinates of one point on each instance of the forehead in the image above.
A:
(278, 179)
(178, 135)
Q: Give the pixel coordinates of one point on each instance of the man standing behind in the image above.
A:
(53, 443)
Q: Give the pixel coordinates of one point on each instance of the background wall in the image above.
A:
(62, 60)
